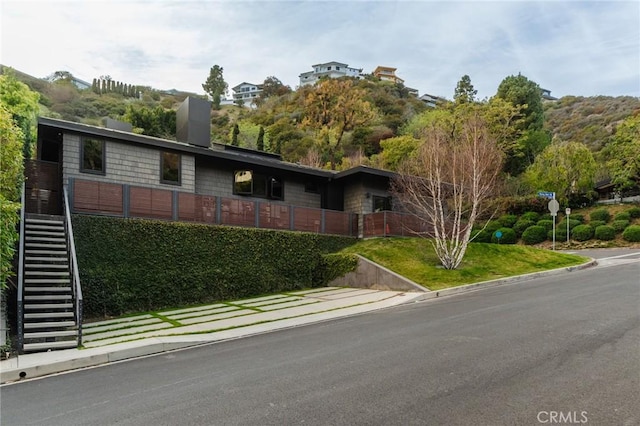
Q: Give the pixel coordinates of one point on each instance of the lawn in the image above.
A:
(415, 259)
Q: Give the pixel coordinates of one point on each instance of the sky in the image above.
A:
(580, 48)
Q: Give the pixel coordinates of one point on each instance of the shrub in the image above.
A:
(547, 224)
(492, 226)
(582, 233)
(619, 225)
(508, 220)
(334, 265)
(533, 216)
(508, 236)
(595, 223)
(134, 265)
(634, 212)
(622, 216)
(519, 205)
(600, 214)
(632, 233)
(563, 224)
(521, 225)
(578, 217)
(481, 236)
(561, 234)
(605, 233)
(534, 235)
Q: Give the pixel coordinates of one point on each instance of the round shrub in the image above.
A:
(533, 216)
(600, 214)
(595, 223)
(578, 217)
(622, 216)
(534, 235)
(582, 233)
(563, 224)
(508, 236)
(508, 220)
(619, 225)
(634, 212)
(605, 233)
(521, 225)
(480, 236)
(632, 233)
(492, 225)
(547, 224)
(561, 234)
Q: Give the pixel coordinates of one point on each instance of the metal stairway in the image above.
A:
(49, 317)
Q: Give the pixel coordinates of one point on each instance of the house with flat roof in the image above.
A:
(246, 93)
(329, 70)
(387, 74)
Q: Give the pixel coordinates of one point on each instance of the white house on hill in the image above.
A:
(330, 70)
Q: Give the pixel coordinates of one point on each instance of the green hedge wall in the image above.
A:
(134, 265)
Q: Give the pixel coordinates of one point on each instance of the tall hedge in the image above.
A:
(133, 265)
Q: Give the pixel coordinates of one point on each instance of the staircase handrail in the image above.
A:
(75, 276)
(20, 313)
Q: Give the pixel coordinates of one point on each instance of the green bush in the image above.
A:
(533, 216)
(534, 235)
(595, 223)
(622, 216)
(335, 265)
(135, 265)
(521, 225)
(582, 233)
(600, 214)
(632, 233)
(508, 236)
(547, 224)
(578, 217)
(563, 224)
(480, 236)
(619, 225)
(561, 234)
(508, 220)
(492, 225)
(634, 212)
(605, 233)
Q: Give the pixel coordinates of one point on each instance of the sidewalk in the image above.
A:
(116, 340)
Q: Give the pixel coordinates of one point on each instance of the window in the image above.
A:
(170, 168)
(247, 182)
(381, 203)
(311, 187)
(92, 155)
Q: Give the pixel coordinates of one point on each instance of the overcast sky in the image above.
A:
(569, 47)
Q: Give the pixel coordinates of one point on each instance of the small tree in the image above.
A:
(215, 85)
(234, 135)
(447, 182)
(465, 93)
(260, 141)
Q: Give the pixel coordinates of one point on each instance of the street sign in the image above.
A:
(567, 211)
(498, 234)
(554, 206)
(546, 194)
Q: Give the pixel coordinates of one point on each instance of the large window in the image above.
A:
(170, 168)
(381, 203)
(92, 156)
(248, 182)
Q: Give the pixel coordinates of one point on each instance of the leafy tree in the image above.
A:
(22, 103)
(234, 135)
(449, 180)
(272, 86)
(333, 108)
(215, 85)
(464, 93)
(568, 169)
(623, 154)
(260, 141)
(158, 122)
(396, 150)
(11, 172)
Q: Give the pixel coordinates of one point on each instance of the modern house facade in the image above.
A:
(329, 70)
(387, 74)
(246, 93)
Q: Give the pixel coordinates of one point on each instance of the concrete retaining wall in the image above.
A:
(373, 276)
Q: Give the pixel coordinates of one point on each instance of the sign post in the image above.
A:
(567, 211)
(554, 206)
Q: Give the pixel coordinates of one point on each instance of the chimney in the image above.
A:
(193, 122)
(110, 123)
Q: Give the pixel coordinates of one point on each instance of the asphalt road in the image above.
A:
(560, 350)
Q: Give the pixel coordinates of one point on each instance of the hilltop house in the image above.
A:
(329, 70)
(387, 74)
(246, 93)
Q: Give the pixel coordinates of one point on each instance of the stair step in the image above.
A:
(47, 315)
(49, 233)
(48, 324)
(46, 273)
(44, 239)
(55, 255)
(30, 347)
(48, 334)
(28, 224)
(32, 306)
(42, 245)
(47, 281)
(28, 259)
(43, 289)
(45, 266)
(47, 297)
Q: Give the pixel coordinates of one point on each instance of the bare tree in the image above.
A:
(447, 182)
